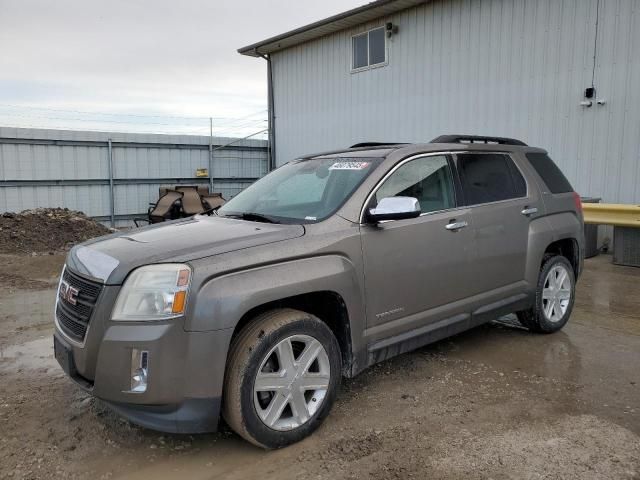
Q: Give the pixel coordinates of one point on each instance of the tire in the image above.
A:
(537, 319)
(258, 386)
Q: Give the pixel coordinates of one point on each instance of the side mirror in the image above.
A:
(395, 208)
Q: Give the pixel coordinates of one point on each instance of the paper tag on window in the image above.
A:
(349, 166)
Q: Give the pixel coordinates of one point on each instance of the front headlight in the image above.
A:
(153, 292)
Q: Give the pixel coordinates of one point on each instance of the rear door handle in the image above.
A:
(529, 211)
(456, 225)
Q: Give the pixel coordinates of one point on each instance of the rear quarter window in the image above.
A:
(552, 176)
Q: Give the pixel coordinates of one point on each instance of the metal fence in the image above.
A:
(114, 176)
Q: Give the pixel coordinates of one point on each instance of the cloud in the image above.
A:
(150, 57)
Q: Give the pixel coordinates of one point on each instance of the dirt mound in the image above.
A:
(46, 230)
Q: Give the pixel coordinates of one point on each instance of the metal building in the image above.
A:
(560, 74)
(114, 176)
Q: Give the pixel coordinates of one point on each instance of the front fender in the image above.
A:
(222, 301)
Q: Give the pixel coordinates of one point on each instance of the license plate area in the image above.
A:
(64, 356)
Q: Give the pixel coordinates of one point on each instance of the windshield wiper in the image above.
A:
(251, 217)
(211, 211)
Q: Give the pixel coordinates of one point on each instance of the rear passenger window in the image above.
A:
(489, 178)
(550, 173)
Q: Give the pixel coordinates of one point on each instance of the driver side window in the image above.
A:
(428, 179)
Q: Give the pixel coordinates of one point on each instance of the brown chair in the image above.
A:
(213, 200)
(191, 201)
(166, 208)
(202, 189)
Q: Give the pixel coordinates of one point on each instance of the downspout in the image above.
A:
(271, 122)
(595, 46)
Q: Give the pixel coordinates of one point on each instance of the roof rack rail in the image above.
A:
(375, 144)
(477, 139)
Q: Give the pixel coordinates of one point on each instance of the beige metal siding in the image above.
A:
(493, 67)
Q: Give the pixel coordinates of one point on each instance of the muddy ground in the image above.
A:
(496, 402)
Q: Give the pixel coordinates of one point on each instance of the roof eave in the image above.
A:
(335, 23)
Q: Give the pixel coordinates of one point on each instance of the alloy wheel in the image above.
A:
(292, 382)
(556, 293)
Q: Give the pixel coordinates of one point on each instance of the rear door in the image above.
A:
(502, 206)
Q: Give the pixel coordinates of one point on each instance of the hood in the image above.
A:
(109, 259)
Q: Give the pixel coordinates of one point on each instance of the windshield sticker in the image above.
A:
(349, 166)
(310, 218)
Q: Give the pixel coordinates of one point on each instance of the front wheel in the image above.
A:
(555, 296)
(282, 378)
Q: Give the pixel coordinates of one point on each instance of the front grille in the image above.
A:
(74, 319)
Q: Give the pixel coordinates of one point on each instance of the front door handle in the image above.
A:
(456, 225)
(529, 211)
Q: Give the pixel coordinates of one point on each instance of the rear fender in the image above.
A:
(543, 232)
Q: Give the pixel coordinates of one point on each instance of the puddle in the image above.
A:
(34, 355)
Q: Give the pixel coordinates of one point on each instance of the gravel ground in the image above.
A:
(496, 402)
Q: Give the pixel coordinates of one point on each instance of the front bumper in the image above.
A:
(194, 415)
(185, 370)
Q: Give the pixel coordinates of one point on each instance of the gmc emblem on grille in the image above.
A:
(69, 293)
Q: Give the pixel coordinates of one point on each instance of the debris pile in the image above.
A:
(46, 230)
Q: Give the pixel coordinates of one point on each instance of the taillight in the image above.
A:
(578, 201)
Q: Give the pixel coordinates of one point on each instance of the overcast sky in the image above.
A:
(152, 57)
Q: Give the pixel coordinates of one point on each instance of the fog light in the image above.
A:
(139, 370)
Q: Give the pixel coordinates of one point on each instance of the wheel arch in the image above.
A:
(328, 287)
(559, 233)
(328, 306)
(566, 247)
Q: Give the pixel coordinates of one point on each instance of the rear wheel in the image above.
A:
(555, 295)
(282, 378)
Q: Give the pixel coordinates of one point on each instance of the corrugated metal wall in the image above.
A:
(61, 168)
(494, 67)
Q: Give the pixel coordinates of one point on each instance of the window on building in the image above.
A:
(490, 178)
(369, 49)
(360, 51)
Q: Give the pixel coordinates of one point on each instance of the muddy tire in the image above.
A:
(555, 296)
(282, 378)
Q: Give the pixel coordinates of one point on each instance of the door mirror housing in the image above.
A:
(394, 208)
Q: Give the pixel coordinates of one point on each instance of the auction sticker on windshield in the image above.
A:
(349, 165)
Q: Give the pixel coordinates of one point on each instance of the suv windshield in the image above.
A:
(301, 191)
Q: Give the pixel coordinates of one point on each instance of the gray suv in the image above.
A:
(326, 266)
